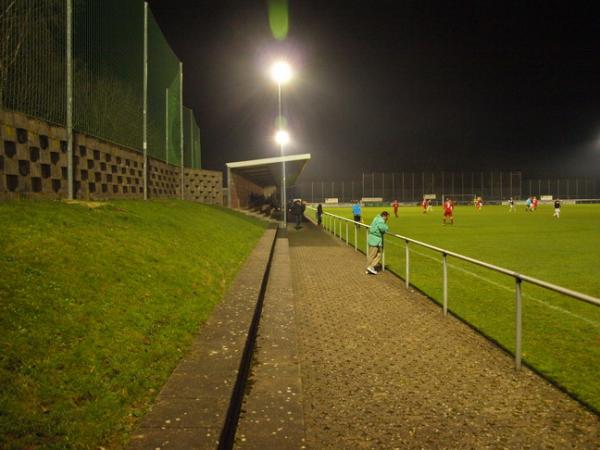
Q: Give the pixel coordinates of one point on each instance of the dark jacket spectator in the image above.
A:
(296, 211)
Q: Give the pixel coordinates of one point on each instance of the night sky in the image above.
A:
(396, 85)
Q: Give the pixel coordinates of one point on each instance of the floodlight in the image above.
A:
(282, 137)
(281, 72)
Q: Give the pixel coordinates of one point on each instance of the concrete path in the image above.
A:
(380, 367)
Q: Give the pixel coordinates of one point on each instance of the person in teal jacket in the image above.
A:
(375, 241)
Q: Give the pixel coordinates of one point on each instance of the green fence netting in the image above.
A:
(33, 58)
(108, 77)
(164, 112)
(191, 140)
(197, 158)
(108, 68)
(174, 122)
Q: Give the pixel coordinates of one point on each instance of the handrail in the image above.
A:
(519, 277)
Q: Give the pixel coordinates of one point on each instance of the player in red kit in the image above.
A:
(424, 205)
(478, 203)
(448, 211)
(395, 205)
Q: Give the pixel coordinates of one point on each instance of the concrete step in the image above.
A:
(272, 413)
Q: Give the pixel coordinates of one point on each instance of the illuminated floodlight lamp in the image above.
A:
(282, 137)
(281, 72)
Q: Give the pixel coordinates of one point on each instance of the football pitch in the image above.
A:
(561, 335)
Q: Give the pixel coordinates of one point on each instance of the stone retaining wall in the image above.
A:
(33, 164)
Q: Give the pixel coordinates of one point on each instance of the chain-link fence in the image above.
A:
(408, 187)
(108, 58)
(107, 75)
(33, 58)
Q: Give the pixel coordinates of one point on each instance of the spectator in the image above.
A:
(375, 241)
(356, 211)
(296, 211)
(319, 214)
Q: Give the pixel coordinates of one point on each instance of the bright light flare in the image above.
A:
(281, 72)
(282, 137)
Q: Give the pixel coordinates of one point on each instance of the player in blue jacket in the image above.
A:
(356, 211)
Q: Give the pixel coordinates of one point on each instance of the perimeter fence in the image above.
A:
(101, 51)
(410, 187)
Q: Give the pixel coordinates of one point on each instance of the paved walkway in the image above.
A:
(380, 367)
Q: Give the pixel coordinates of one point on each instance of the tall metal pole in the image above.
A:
(402, 190)
(181, 125)
(69, 117)
(192, 152)
(145, 112)
(167, 125)
(372, 184)
(283, 193)
(363, 184)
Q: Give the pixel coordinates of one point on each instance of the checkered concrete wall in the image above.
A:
(33, 160)
(33, 164)
(204, 186)
(102, 170)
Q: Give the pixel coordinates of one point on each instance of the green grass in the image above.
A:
(98, 305)
(561, 336)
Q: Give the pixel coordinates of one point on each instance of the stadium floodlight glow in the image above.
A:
(281, 72)
(282, 137)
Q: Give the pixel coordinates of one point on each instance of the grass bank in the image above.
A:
(97, 305)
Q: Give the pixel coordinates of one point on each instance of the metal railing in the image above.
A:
(331, 222)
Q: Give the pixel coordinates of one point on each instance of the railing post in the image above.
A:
(518, 323)
(382, 256)
(367, 243)
(347, 235)
(341, 223)
(445, 270)
(355, 238)
(407, 277)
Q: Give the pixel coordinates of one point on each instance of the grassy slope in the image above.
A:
(98, 305)
(561, 337)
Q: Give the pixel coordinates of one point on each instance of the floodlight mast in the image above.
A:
(281, 73)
